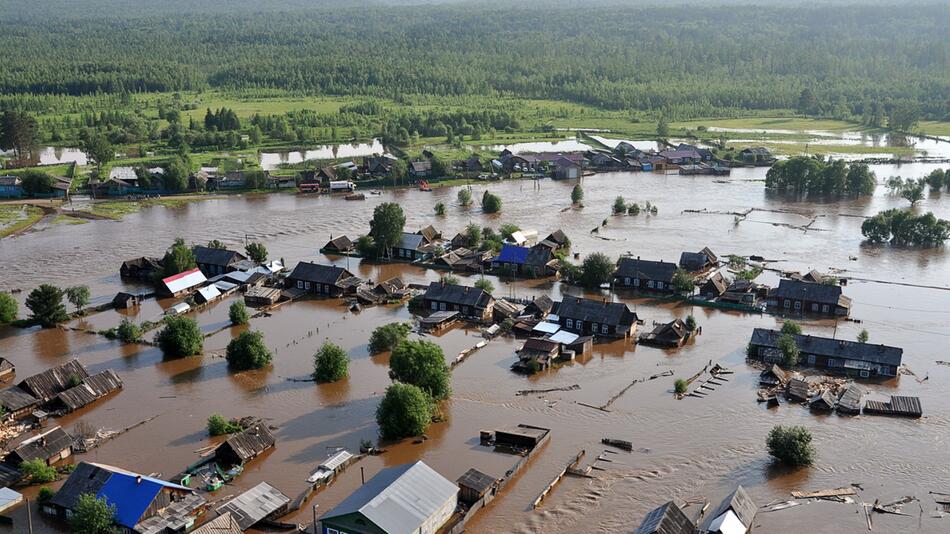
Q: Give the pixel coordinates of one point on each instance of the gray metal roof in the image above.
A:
(740, 503)
(216, 256)
(666, 519)
(457, 294)
(255, 504)
(835, 348)
(645, 269)
(321, 274)
(410, 241)
(598, 311)
(809, 291)
(400, 499)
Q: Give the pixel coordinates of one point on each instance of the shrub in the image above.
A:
(330, 363)
(620, 206)
(386, 337)
(404, 411)
(485, 285)
(792, 328)
(863, 336)
(247, 351)
(680, 386)
(219, 426)
(92, 515)
(8, 308)
(577, 194)
(237, 313)
(257, 252)
(791, 445)
(422, 364)
(450, 279)
(46, 493)
(465, 196)
(128, 331)
(690, 323)
(491, 203)
(507, 229)
(440, 208)
(180, 337)
(38, 472)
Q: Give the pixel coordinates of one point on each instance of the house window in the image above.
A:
(626, 281)
(579, 325)
(865, 374)
(811, 359)
(788, 303)
(834, 362)
(332, 531)
(603, 329)
(650, 284)
(593, 327)
(636, 282)
(435, 305)
(824, 308)
(442, 306)
(798, 304)
(299, 284)
(814, 306)
(306, 285)
(659, 285)
(570, 323)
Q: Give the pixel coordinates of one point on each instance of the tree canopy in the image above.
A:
(178, 258)
(903, 227)
(816, 176)
(180, 336)
(330, 363)
(8, 308)
(405, 410)
(386, 337)
(596, 270)
(92, 515)
(387, 225)
(46, 305)
(791, 445)
(422, 364)
(247, 351)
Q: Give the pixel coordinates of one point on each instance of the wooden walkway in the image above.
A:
(898, 406)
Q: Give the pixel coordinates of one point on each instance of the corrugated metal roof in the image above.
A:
(209, 293)
(336, 460)
(399, 499)
(183, 281)
(564, 337)
(255, 504)
(546, 327)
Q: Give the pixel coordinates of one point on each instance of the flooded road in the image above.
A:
(684, 449)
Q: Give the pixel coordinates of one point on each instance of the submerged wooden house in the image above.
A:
(863, 360)
(670, 335)
(245, 445)
(666, 519)
(50, 447)
(91, 389)
(47, 385)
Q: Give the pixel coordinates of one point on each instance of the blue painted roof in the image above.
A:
(512, 254)
(131, 496)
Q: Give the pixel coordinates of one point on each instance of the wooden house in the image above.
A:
(245, 445)
(7, 368)
(256, 504)
(50, 447)
(713, 287)
(11, 187)
(566, 169)
(318, 279)
(47, 385)
(799, 296)
(88, 391)
(182, 283)
(16, 403)
(470, 302)
(797, 390)
(523, 437)
(430, 234)
(823, 402)
(143, 268)
(124, 301)
(215, 261)
(473, 485)
(539, 306)
(596, 318)
(556, 240)
(523, 261)
(698, 261)
(666, 519)
(680, 157)
(671, 334)
(536, 351)
(645, 275)
(411, 247)
(338, 245)
(841, 356)
(758, 155)
(420, 169)
(736, 513)
(773, 376)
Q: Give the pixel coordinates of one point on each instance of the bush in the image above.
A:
(485, 285)
(465, 196)
(507, 229)
(690, 323)
(386, 337)
(38, 472)
(682, 281)
(450, 279)
(330, 363)
(620, 206)
(491, 203)
(404, 411)
(257, 252)
(180, 337)
(440, 208)
(577, 194)
(219, 426)
(790, 352)
(680, 386)
(247, 351)
(863, 336)
(46, 493)
(8, 308)
(46, 305)
(128, 331)
(791, 445)
(92, 516)
(792, 328)
(422, 364)
(237, 313)
(596, 270)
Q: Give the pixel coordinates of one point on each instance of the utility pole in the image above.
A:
(315, 519)
(29, 516)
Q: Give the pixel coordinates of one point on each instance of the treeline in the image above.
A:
(818, 177)
(871, 61)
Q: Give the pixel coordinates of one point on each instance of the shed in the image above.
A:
(17, 403)
(50, 447)
(521, 436)
(824, 401)
(666, 519)
(540, 306)
(207, 294)
(255, 504)
(898, 405)
(671, 334)
(798, 390)
(851, 400)
(261, 296)
(51, 382)
(339, 245)
(6, 367)
(246, 445)
(773, 376)
(182, 283)
(123, 300)
(90, 390)
(474, 485)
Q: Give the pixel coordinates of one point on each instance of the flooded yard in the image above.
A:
(685, 449)
(272, 160)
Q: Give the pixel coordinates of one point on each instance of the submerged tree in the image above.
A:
(78, 296)
(8, 308)
(330, 363)
(386, 226)
(577, 194)
(405, 410)
(46, 305)
(385, 337)
(422, 364)
(247, 351)
(237, 313)
(180, 337)
(596, 270)
(791, 445)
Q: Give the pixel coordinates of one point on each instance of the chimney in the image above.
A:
(577, 300)
(138, 479)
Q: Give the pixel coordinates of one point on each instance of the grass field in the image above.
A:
(14, 218)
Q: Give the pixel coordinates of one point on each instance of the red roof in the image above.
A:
(179, 275)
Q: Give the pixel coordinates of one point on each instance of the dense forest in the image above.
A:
(685, 61)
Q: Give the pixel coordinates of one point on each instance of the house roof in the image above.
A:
(429, 233)
(45, 445)
(837, 348)
(209, 293)
(255, 504)
(223, 524)
(680, 154)
(728, 523)
(411, 241)
(557, 236)
(542, 304)
(339, 243)
(756, 150)
(666, 519)
(675, 329)
(645, 269)
(476, 480)
(250, 442)
(597, 311)
(534, 256)
(420, 166)
(697, 260)
(564, 337)
(400, 499)
(183, 281)
(13, 399)
(46, 385)
(321, 274)
(718, 281)
(810, 292)
(740, 503)
(538, 344)
(91, 389)
(456, 294)
(216, 256)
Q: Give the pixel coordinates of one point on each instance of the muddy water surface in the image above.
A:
(686, 449)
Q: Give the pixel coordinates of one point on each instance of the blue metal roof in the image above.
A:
(512, 254)
(131, 495)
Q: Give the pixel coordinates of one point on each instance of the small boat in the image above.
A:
(424, 186)
(355, 196)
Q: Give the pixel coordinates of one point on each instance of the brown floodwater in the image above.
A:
(694, 448)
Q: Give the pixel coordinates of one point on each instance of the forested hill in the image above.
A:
(688, 60)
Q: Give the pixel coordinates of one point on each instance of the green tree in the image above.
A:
(46, 305)
(247, 351)
(45, 494)
(790, 352)
(36, 183)
(257, 252)
(596, 270)
(465, 196)
(936, 179)
(405, 410)
(450, 279)
(93, 516)
(680, 386)
(19, 132)
(386, 337)
(491, 203)
(913, 191)
(214, 243)
(682, 281)
(180, 337)
(37, 471)
(791, 445)
(807, 102)
(330, 363)
(690, 323)
(237, 313)
(473, 235)
(863, 336)
(99, 150)
(387, 225)
(128, 331)
(485, 285)
(78, 296)
(440, 208)
(507, 230)
(577, 194)
(176, 175)
(791, 327)
(256, 135)
(422, 364)
(219, 426)
(663, 128)
(366, 247)
(178, 258)
(8, 308)
(620, 206)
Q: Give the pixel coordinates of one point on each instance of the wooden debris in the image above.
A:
(619, 443)
(572, 387)
(819, 494)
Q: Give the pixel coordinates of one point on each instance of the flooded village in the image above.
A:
(639, 405)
